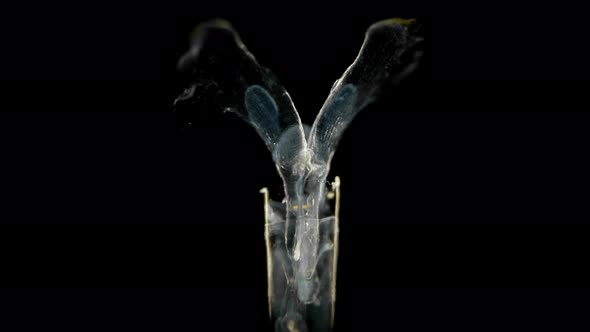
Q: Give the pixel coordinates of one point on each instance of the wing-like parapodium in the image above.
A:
(390, 52)
(224, 74)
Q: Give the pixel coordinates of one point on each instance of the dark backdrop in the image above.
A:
(464, 192)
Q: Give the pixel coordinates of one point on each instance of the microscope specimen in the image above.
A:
(301, 231)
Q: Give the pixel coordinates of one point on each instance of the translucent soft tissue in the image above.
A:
(301, 231)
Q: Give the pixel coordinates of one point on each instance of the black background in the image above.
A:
(464, 192)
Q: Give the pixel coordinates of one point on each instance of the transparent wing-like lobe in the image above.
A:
(389, 52)
(224, 74)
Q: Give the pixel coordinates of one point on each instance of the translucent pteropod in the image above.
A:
(301, 232)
